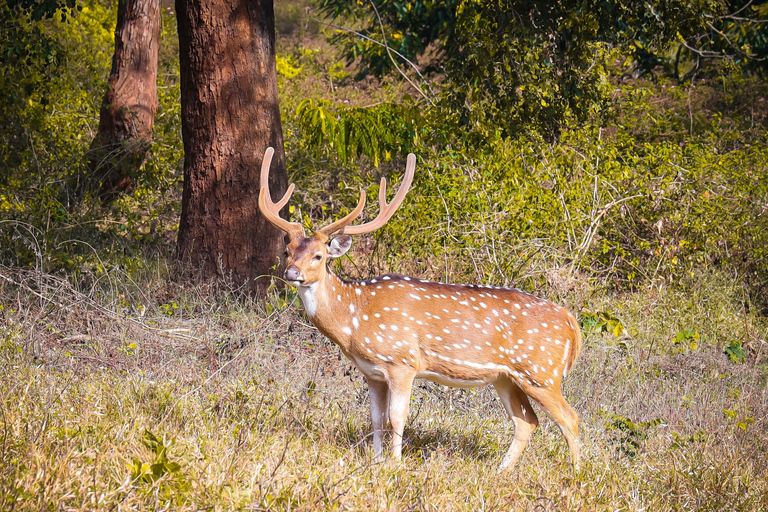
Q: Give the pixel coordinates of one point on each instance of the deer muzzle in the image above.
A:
(293, 274)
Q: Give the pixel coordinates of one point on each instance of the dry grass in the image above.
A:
(260, 412)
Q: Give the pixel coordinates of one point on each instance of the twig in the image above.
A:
(30, 290)
(389, 54)
(389, 51)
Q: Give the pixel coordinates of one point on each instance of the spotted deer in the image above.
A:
(396, 328)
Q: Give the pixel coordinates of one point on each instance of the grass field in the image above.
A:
(135, 394)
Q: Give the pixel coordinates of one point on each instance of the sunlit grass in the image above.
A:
(228, 403)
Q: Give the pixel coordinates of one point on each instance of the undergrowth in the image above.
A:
(135, 393)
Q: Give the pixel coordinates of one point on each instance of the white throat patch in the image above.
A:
(307, 294)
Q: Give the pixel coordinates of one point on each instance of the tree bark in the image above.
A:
(229, 116)
(128, 111)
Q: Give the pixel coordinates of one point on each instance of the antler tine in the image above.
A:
(339, 224)
(269, 209)
(385, 210)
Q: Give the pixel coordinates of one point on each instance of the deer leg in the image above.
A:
(399, 398)
(521, 413)
(379, 391)
(564, 415)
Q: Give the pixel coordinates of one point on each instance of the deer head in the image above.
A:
(307, 257)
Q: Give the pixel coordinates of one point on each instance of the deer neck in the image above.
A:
(333, 306)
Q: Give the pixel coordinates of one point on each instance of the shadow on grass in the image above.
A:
(421, 442)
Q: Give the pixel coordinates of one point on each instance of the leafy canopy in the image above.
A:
(510, 66)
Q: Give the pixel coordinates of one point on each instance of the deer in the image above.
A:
(396, 328)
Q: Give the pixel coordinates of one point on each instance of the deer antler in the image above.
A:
(339, 224)
(386, 210)
(270, 210)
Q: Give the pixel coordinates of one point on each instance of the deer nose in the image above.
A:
(293, 273)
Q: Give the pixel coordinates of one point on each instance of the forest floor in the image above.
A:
(139, 394)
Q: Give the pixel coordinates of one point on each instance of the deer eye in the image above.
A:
(317, 257)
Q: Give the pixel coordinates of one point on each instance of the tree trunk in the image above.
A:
(130, 103)
(229, 116)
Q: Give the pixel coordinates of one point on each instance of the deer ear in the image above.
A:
(339, 246)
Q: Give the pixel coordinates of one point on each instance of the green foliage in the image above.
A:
(686, 339)
(44, 137)
(738, 418)
(160, 465)
(672, 185)
(376, 132)
(735, 34)
(285, 67)
(29, 54)
(630, 435)
(169, 309)
(634, 200)
(44, 151)
(602, 321)
(681, 441)
(735, 352)
(512, 66)
(643, 210)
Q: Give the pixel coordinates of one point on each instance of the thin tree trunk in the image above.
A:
(130, 103)
(230, 115)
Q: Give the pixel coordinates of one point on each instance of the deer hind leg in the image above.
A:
(379, 391)
(400, 385)
(563, 414)
(521, 413)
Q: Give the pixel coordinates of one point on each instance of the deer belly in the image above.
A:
(370, 370)
(455, 382)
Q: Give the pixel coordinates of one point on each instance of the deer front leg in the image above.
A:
(379, 391)
(400, 385)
